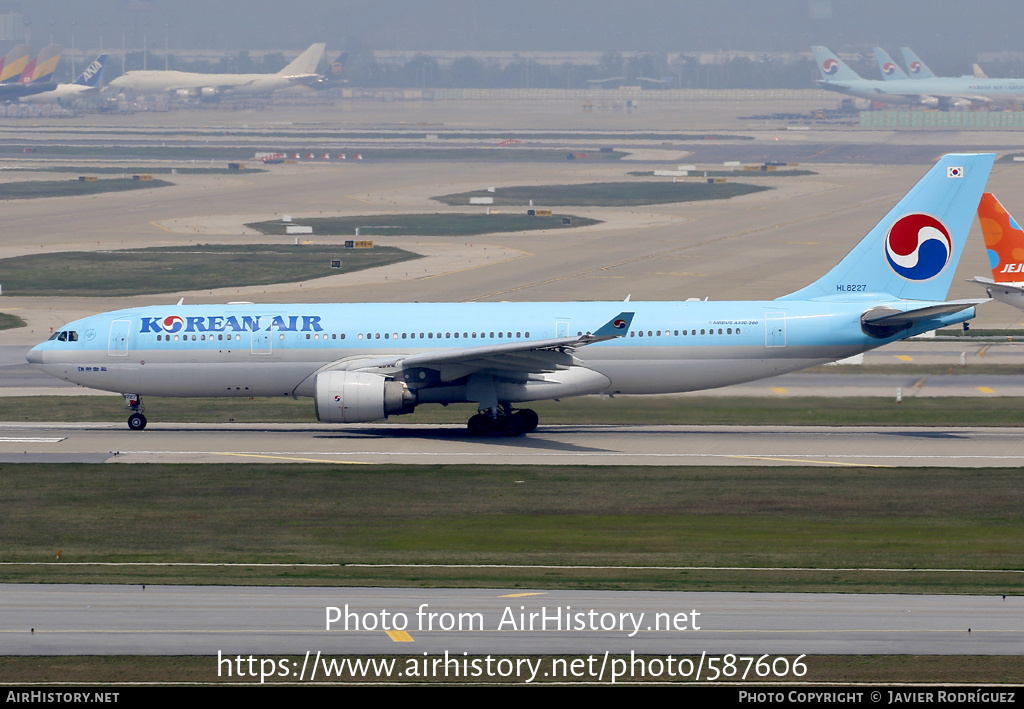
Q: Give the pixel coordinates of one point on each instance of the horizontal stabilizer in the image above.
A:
(884, 321)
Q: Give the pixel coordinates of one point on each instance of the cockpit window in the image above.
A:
(65, 336)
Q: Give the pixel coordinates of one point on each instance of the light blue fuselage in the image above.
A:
(277, 350)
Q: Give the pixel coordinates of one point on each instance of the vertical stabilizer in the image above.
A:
(44, 65)
(14, 63)
(1004, 240)
(306, 62)
(913, 252)
(93, 73)
(890, 69)
(831, 67)
(915, 67)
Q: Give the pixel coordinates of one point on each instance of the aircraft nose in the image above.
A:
(35, 355)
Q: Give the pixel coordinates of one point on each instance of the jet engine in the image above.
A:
(208, 92)
(356, 397)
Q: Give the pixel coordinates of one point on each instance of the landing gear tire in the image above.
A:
(479, 425)
(136, 422)
(528, 419)
(511, 426)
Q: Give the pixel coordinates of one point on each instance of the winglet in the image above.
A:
(616, 327)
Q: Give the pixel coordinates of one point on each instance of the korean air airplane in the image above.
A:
(891, 71)
(935, 92)
(1004, 240)
(368, 361)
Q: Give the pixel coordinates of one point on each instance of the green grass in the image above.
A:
(72, 188)
(119, 670)
(606, 194)
(427, 224)
(613, 517)
(179, 268)
(626, 410)
(9, 322)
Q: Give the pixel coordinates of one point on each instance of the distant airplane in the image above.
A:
(302, 71)
(936, 92)
(890, 69)
(36, 77)
(915, 67)
(13, 63)
(367, 361)
(86, 83)
(1004, 240)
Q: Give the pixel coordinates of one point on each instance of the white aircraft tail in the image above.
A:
(306, 62)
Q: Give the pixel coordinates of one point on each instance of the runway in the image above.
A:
(184, 620)
(550, 445)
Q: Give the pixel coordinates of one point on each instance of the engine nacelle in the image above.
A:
(357, 397)
(208, 91)
(183, 93)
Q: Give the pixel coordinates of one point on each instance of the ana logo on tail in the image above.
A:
(918, 247)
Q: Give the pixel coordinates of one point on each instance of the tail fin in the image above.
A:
(41, 68)
(14, 63)
(890, 69)
(913, 252)
(1004, 240)
(915, 67)
(979, 73)
(93, 73)
(830, 66)
(306, 62)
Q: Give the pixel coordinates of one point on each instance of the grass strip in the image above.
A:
(820, 531)
(177, 268)
(10, 322)
(630, 410)
(606, 194)
(34, 189)
(427, 224)
(733, 173)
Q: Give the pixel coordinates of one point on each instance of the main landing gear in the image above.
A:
(136, 421)
(505, 422)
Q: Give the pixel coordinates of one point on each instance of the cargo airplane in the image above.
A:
(935, 92)
(1004, 240)
(367, 361)
(184, 84)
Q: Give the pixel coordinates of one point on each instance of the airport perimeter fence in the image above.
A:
(942, 119)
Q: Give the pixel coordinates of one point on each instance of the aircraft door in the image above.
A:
(561, 329)
(117, 345)
(774, 329)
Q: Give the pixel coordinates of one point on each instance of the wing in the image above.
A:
(510, 358)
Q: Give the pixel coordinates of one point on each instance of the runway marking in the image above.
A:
(519, 453)
(400, 636)
(303, 460)
(981, 352)
(31, 440)
(920, 382)
(780, 390)
(522, 254)
(904, 358)
(161, 226)
(522, 595)
(985, 390)
(805, 460)
(509, 566)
